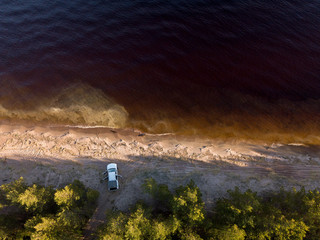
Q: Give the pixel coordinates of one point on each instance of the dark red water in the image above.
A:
(242, 68)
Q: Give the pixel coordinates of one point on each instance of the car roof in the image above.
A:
(112, 176)
(112, 165)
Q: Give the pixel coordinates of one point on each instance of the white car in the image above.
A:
(113, 177)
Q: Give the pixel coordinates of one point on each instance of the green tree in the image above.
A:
(260, 218)
(291, 203)
(92, 196)
(287, 215)
(11, 227)
(285, 229)
(32, 211)
(161, 230)
(71, 196)
(37, 199)
(76, 205)
(188, 234)
(31, 223)
(160, 193)
(79, 187)
(51, 228)
(66, 197)
(311, 204)
(12, 217)
(138, 225)
(188, 206)
(228, 233)
(3, 199)
(13, 190)
(114, 227)
(239, 209)
(71, 219)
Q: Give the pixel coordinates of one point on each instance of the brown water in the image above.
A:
(244, 69)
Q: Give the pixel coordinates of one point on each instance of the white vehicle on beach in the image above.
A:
(113, 177)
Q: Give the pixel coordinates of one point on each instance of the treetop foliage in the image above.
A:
(37, 212)
(187, 204)
(37, 199)
(283, 215)
(13, 190)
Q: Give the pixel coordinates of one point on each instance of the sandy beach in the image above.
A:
(53, 155)
(56, 155)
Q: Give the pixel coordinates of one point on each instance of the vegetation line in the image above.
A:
(37, 212)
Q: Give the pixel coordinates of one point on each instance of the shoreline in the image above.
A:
(215, 133)
(77, 141)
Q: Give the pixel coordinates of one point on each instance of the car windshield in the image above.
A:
(112, 170)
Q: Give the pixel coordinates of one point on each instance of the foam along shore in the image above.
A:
(55, 155)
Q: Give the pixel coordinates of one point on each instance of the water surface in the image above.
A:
(245, 68)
